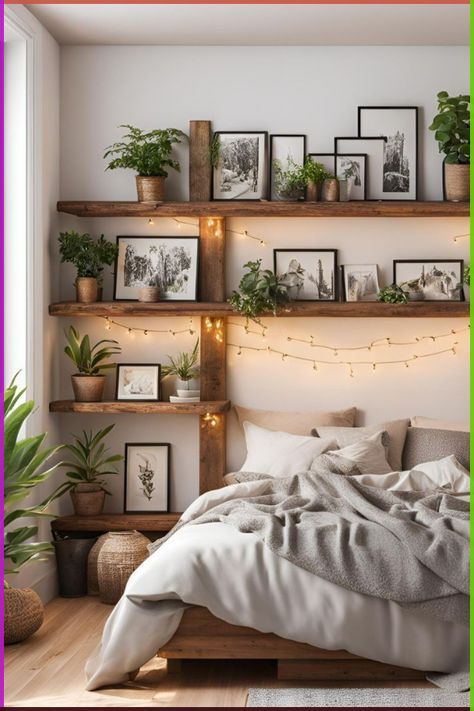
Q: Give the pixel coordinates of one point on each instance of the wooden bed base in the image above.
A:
(203, 636)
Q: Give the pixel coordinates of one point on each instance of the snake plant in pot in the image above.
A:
(88, 383)
(452, 126)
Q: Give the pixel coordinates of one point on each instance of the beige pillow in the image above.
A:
(297, 423)
(396, 429)
(368, 454)
(433, 424)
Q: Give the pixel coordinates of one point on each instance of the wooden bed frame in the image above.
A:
(203, 636)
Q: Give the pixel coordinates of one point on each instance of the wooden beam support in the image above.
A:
(200, 169)
(212, 259)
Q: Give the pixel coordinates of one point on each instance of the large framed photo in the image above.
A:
(147, 473)
(168, 262)
(373, 147)
(240, 170)
(138, 382)
(287, 152)
(308, 274)
(430, 279)
(353, 167)
(399, 125)
(326, 159)
(361, 282)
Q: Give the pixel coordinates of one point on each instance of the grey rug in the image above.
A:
(354, 698)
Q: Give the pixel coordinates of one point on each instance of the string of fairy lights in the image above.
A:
(241, 233)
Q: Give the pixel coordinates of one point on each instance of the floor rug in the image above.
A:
(320, 698)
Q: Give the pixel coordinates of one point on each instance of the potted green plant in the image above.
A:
(314, 174)
(185, 367)
(89, 256)
(392, 294)
(86, 470)
(289, 183)
(259, 292)
(148, 154)
(88, 383)
(24, 469)
(451, 126)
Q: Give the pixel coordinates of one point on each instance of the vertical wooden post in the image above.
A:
(212, 258)
(200, 169)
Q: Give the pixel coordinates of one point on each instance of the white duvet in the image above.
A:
(241, 581)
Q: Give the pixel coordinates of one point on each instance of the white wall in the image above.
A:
(283, 90)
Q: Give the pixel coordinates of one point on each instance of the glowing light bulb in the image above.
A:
(108, 325)
(145, 333)
(239, 352)
(315, 367)
(374, 366)
(150, 221)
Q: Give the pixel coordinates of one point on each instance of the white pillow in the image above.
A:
(368, 454)
(445, 473)
(281, 454)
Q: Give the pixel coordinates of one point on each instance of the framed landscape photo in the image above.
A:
(138, 382)
(240, 165)
(168, 262)
(353, 166)
(373, 148)
(287, 151)
(308, 274)
(147, 474)
(430, 279)
(326, 159)
(360, 282)
(399, 125)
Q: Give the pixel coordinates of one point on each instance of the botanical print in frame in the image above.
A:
(361, 282)
(287, 152)
(353, 166)
(168, 262)
(138, 382)
(373, 147)
(430, 279)
(326, 159)
(399, 125)
(240, 170)
(147, 469)
(308, 274)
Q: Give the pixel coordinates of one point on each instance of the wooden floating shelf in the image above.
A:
(117, 522)
(255, 208)
(353, 309)
(141, 408)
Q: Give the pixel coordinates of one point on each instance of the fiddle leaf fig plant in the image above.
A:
(259, 292)
(451, 126)
(149, 154)
(392, 294)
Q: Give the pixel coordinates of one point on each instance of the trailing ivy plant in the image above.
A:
(392, 294)
(148, 154)
(89, 256)
(451, 126)
(259, 292)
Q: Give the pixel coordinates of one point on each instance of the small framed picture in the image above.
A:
(353, 166)
(373, 147)
(168, 262)
(326, 159)
(147, 473)
(430, 279)
(287, 152)
(361, 282)
(240, 168)
(138, 382)
(308, 274)
(399, 125)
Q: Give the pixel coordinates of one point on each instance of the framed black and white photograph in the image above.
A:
(240, 165)
(326, 159)
(287, 152)
(168, 262)
(361, 282)
(308, 274)
(373, 148)
(147, 474)
(353, 167)
(138, 382)
(399, 125)
(429, 279)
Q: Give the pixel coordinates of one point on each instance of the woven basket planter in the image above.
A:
(24, 614)
(92, 574)
(120, 555)
(150, 189)
(456, 182)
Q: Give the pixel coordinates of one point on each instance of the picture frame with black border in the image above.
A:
(141, 384)
(256, 183)
(365, 284)
(186, 279)
(294, 152)
(429, 279)
(373, 147)
(358, 191)
(292, 267)
(142, 488)
(399, 125)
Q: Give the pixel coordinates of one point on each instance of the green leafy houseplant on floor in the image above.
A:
(149, 154)
(259, 292)
(88, 383)
(392, 294)
(89, 256)
(452, 131)
(184, 366)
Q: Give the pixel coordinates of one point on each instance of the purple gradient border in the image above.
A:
(2, 318)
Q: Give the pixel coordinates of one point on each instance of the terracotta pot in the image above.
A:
(87, 290)
(88, 388)
(330, 191)
(24, 614)
(88, 499)
(312, 192)
(456, 182)
(149, 294)
(150, 189)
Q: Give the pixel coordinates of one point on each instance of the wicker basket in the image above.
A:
(150, 189)
(92, 575)
(456, 181)
(120, 555)
(24, 614)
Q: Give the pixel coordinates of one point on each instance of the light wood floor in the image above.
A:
(48, 669)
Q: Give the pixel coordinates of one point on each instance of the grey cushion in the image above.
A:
(427, 445)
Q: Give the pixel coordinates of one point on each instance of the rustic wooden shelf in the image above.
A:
(117, 522)
(141, 408)
(255, 208)
(354, 309)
